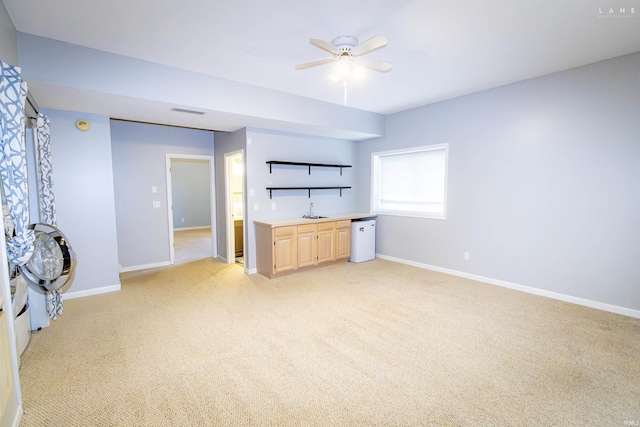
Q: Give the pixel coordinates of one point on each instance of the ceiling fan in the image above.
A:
(346, 51)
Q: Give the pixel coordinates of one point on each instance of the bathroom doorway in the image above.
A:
(234, 185)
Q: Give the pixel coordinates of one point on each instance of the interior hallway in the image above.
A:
(192, 245)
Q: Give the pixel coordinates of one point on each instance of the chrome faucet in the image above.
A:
(310, 215)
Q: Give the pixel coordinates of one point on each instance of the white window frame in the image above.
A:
(375, 171)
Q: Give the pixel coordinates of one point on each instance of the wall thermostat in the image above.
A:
(82, 125)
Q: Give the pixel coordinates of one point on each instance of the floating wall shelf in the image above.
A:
(319, 165)
(271, 189)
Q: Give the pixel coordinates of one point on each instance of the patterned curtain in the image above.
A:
(13, 164)
(45, 172)
(47, 197)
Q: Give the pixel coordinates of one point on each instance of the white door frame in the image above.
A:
(228, 211)
(14, 401)
(212, 195)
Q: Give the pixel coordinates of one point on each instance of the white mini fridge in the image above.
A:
(363, 240)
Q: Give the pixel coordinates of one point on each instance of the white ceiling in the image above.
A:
(440, 49)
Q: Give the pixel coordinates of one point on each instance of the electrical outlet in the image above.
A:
(182, 219)
(156, 204)
(154, 189)
(273, 206)
(256, 207)
(466, 256)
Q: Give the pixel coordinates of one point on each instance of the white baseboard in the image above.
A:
(191, 228)
(528, 289)
(246, 270)
(144, 266)
(89, 292)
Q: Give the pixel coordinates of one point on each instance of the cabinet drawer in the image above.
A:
(345, 223)
(306, 228)
(326, 226)
(283, 231)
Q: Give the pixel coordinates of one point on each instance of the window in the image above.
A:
(410, 182)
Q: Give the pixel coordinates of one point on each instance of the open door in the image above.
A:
(193, 160)
(234, 206)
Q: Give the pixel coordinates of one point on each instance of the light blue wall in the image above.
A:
(139, 163)
(8, 43)
(263, 146)
(543, 183)
(83, 185)
(191, 193)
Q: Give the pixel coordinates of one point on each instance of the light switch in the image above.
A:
(273, 206)
(251, 192)
(154, 189)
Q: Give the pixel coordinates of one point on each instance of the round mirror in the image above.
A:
(52, 262)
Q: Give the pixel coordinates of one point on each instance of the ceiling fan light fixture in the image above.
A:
(346, 68)
(347, 52)
(343, 67)
(357, 72)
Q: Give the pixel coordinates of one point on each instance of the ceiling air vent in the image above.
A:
(184, 110)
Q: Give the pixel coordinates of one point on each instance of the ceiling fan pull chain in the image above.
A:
(344, 85)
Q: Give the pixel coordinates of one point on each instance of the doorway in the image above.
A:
(234, 206)
(191, 207)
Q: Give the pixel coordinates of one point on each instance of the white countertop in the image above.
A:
(280, 222)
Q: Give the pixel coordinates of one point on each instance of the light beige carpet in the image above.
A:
(369, 344)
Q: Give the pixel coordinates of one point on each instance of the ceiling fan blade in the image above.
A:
(374, 64)
(314, 63)
(374, 43)
(324, 46)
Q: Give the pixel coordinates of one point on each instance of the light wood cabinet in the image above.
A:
(283, 249)
(343, 239)
(326, 242)
(307, 245)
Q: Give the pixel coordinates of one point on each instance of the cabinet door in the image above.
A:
(306, 245)
(343, 243)
(284, 253)
(326, 246)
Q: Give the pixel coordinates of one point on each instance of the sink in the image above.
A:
(313, 216)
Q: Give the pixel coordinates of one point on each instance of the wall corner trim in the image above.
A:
(528, 289)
